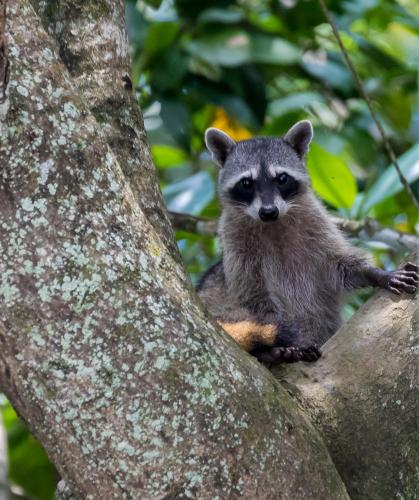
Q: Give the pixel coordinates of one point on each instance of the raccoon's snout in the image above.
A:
(269, 213)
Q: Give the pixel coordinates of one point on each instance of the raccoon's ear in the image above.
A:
(219, 144)
(299, 137)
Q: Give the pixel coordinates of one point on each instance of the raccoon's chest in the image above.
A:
(299, 282)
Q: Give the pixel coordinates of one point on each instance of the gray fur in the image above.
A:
(294, 270)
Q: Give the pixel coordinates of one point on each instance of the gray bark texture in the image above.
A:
(105, 351)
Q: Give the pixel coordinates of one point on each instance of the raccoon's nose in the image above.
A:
(268, 213)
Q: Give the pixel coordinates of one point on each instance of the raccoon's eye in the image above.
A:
(246, 183)
(282, 178)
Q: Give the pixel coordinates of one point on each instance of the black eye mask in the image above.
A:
(243, 191)
(287, 185)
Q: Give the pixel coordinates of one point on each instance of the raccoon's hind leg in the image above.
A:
(286, 348)
(236, 320)
(250, 334)
(270, 343)
(288, 354)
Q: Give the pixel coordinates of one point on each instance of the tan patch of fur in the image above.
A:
(249, 334)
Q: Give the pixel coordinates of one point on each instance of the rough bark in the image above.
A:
(362, 396)
(92, 43)
(104, 350)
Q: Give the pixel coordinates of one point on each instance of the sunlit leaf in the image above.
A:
(225, 16)
(327, 70)
(168, 156)
(265, 21)
(331, 178)
(296, 101)
(232, 47)
(389, 183)
(190, 195)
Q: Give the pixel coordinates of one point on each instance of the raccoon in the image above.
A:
(285, 266)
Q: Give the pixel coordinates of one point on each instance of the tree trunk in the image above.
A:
(105, 350)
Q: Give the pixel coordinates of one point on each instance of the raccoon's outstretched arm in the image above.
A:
(356, 274)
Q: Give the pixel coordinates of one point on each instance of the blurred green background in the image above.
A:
(254, 67)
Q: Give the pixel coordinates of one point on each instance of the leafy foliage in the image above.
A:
(29, 466)
(257, 67)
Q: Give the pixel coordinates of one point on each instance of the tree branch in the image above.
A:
(366, 229)
(194, 224)
(362, 396)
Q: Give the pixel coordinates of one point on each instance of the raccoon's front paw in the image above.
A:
(289, 354)
(311, 354)
(403, 280)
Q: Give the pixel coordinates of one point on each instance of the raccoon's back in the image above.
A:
(212, 278)
(212, 289)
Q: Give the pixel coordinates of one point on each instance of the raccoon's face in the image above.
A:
(262, 177)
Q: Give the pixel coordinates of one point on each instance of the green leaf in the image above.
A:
(331, 178)
(266, 21)
(177, 120)
(168, 70)
(333, 73)
(29, 466)
(190, 195)
(293, 102)
(389, 183)
(225, 16)
(136, 25)
(233, 104)
(159, 37)
(233, 47)
(273, 50)
(168, 156)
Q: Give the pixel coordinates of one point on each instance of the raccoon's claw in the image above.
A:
(311, 354)
(403, 280)
(289, 354)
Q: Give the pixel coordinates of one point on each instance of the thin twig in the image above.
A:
(4, 62)
(193, 224)
(366, 229)
(367, 98)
